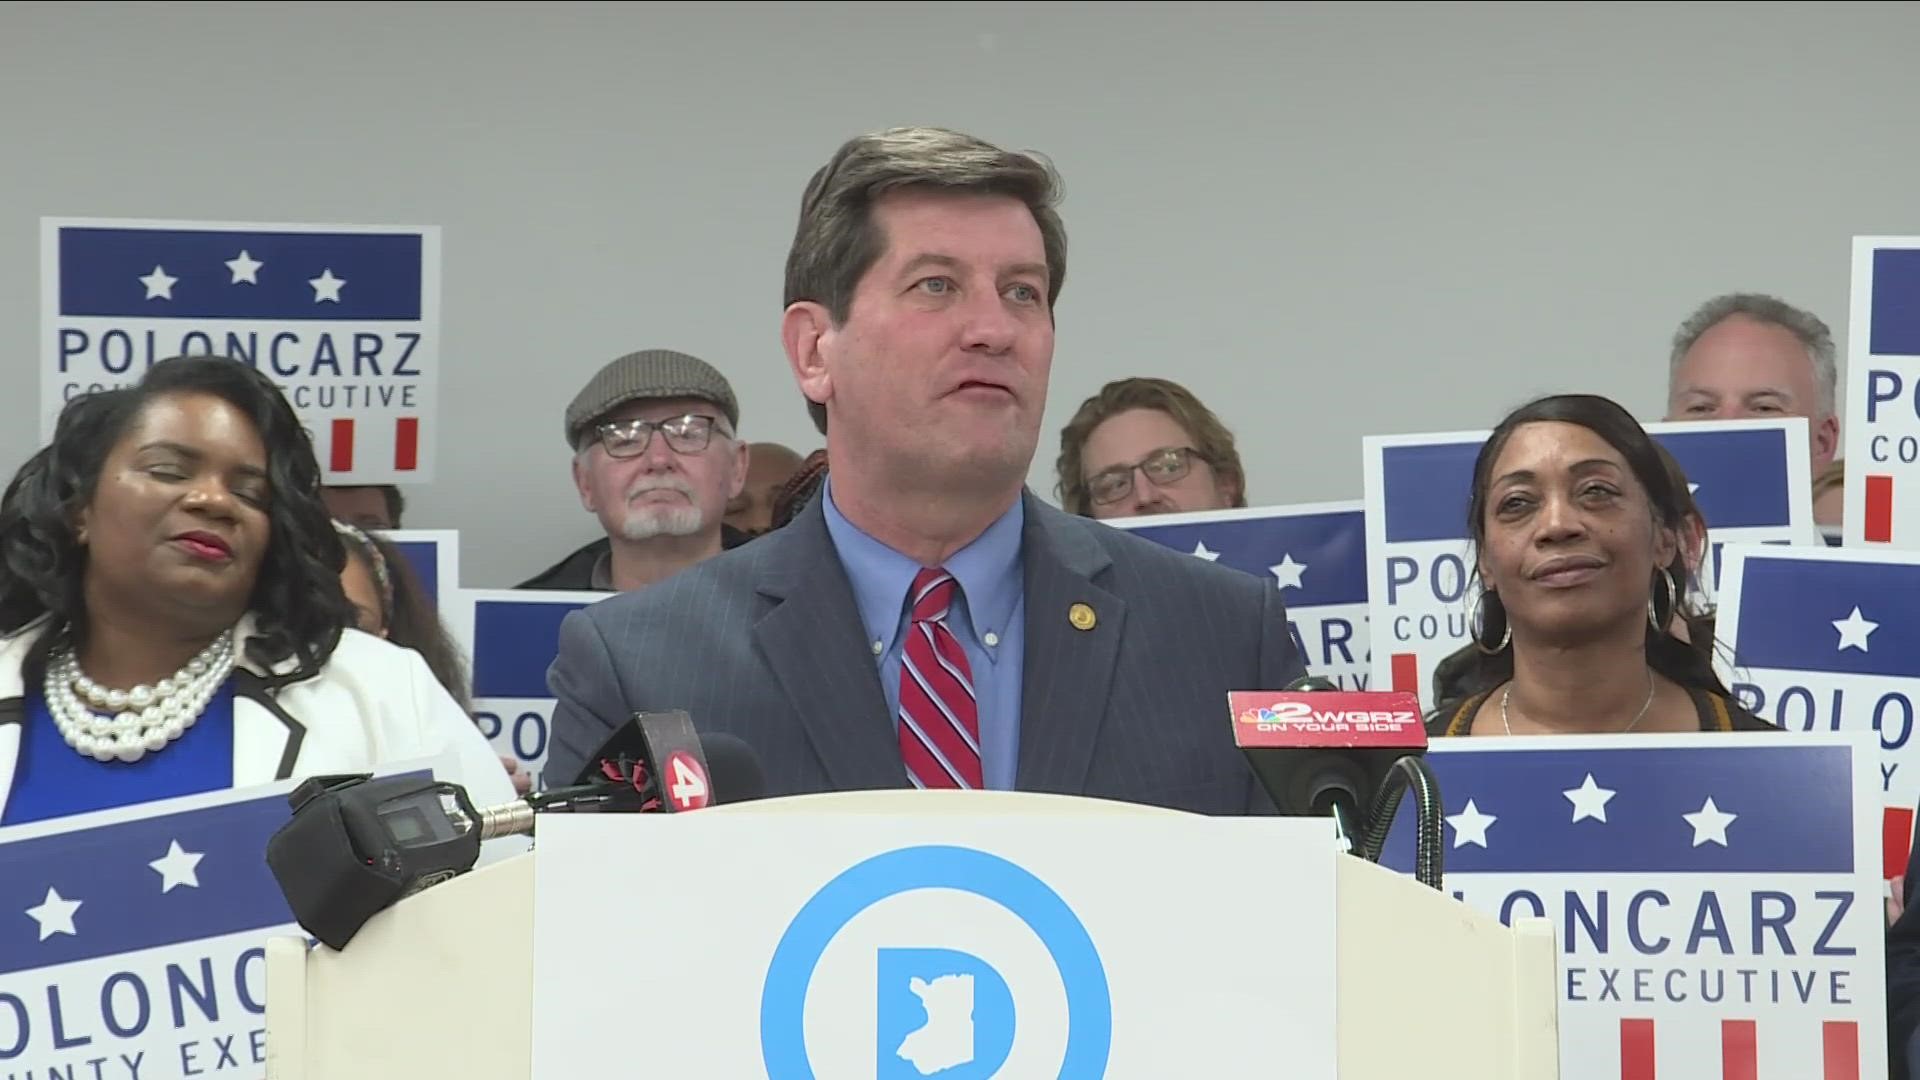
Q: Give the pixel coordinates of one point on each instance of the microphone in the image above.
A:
(670, 767)
(357, 846)
(622, 778)
(1325, 752)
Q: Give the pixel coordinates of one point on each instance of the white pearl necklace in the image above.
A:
(146, 718)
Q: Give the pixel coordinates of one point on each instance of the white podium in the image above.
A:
(447, 983)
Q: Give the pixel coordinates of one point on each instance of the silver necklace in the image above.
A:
(144, 719)
(1648, 704)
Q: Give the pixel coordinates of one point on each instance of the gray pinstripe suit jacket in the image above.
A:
(764, 642)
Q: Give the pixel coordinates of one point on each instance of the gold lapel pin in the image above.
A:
(1081, 616)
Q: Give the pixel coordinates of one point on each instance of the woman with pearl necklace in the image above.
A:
(171, 615)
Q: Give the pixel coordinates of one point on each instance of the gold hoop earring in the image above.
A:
(1653, 605)
(1475, 631)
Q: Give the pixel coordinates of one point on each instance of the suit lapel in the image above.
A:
(13, 704)
(266, 741)
(1073, 629)
(813, 641)
(12, 722)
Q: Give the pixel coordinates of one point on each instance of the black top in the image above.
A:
(1717, 713)
(575, 572)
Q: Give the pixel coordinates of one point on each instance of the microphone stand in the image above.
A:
(1429, 856)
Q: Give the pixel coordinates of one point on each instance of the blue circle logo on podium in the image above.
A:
(937, 1011)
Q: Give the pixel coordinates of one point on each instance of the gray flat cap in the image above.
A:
(649, 375)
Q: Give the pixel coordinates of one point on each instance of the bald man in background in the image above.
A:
(1752, 356)
(768, 466)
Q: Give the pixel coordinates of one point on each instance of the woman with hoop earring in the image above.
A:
(1576, 526)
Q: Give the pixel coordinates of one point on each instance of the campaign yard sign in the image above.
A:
(1882, 498)
(345, 319)
(1828, 639)
(513, 636)
(132, 941)
(1747, 476)
(1716, 897)
(1314, 553)
(434, 557)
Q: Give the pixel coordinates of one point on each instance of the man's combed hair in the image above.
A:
(837, 240)
(1211, 438)
(1804, 325)
(297, 601)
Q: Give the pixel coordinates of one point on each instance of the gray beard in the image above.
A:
(666, 521)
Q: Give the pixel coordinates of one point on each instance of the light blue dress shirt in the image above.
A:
(988, 616)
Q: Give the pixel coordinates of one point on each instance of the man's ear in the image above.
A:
(583, 483)
(741, 457)
(1826, 441)
(806, 330)
(1232, 489)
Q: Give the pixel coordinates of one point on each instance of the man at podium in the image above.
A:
(929, 622)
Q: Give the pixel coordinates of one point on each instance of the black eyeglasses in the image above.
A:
(687, 434)
(1167, 465)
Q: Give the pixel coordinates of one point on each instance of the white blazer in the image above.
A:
(373, 703)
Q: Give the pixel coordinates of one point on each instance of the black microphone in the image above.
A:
(356, 845)
(660, 763)
(1320, 751)
(1326, 756)
(719, 769)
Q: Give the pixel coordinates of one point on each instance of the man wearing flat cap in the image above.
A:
(656, 457)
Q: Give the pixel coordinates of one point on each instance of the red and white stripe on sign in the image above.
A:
(1406, 672)
(1740, 1050)
(406, 444)
(340, 452)
(1896, 840)
(1878, 527)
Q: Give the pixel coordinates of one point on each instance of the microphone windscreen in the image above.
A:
(627, 741)
(733, 767)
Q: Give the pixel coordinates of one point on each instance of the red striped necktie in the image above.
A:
(939, 722)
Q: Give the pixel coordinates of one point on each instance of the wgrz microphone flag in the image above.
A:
(1716, 898)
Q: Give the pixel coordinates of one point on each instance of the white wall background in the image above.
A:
(1326, 220)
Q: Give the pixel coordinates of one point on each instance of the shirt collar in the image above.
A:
(988, 570)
